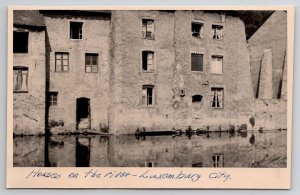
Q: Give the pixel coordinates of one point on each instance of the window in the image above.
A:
(197, 62)
(218, 160)
(61, 61)
(217, 97)
(148, 60)
(53, 98)
(217, 64)
(91, 62)
(76, 30)
(20, 42)
(148, 28)
(147, 96)
(149, 164)
(217, 32)
(197, 29)
(196, 98)
(20, 79)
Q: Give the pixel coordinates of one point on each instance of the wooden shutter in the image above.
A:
(197, 62)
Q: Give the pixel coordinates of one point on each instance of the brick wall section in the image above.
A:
(29, 108)
(76, 83)
(271, 35)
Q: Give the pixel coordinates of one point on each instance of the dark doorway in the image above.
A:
(83, 145)
(83, 114)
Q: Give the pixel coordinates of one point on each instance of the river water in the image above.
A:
(239, 149)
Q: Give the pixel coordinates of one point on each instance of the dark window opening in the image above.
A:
(217, 97)
(147, 97)
(149, 164)
(20, 42)
(197, 98)
(20, 79)
(61, 61)
(197, 29)
(217, 32)
(197, 62)
(76, 30)
(53, 98)
(218, 160)
(148, 28)
(91, 62)
(148, 60)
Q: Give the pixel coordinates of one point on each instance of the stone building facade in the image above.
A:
(123, 71)
(29, 73)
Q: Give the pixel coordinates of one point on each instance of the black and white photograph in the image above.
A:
(150, 88)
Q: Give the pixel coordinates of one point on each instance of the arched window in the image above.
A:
(196, 98)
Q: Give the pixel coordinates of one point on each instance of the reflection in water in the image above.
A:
(83, 145)
(220, 149)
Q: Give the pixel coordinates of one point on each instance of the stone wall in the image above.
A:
(29, 107)
(76, 83)
(271, 35)
(173, 45)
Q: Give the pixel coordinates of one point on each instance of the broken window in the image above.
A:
(197, 29)
(148, 28)
(218, 160)
(197, 62)
(217, 97)
(217, 64)
(91, 62)
(20, 79)
(217, 32)
(196, 98)
(61, 61)
(147, 96)
(148, 60)
(20, 42)
(76, 30)
(53, 98)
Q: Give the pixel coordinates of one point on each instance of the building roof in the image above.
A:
(28, 18)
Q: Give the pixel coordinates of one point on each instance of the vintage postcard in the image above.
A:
(150, 97)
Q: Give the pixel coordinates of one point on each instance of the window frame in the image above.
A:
(197, 53)
(91, 65)
(27, 49)
(211, 64)
(216, 26)
(213, 89)
(145, 98)
(218, 160)
(22, 68)
(144, 34)
(62, 59)
(53, 94)
(201, 32)
(82, 30)
(153, 61)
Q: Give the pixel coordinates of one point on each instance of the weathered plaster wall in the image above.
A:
(29, 108)
(76, 82)
(235, 80)
(271, 35)
(127, 75)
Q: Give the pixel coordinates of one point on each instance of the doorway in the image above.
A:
(83, 113)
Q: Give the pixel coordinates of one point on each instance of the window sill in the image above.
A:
(214, 108)
(20, 91)
(149, 38)
(76, 39)
(61, 71)
(200, 37)
(195, 71)
(148, 71)
(217, 73)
